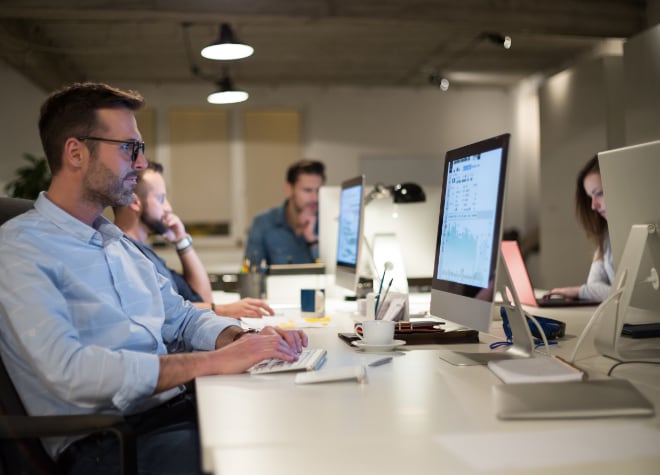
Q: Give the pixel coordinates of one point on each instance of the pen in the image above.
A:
(382, 302)
(381, 361)
(380, 289)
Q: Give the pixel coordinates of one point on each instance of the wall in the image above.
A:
(19, 111)
(580, 115)
(642, 75)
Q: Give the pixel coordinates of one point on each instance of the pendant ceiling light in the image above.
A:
(226, 94)
(227, 47)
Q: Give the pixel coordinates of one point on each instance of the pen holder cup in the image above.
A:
(252, 284)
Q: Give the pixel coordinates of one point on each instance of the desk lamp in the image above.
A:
(402, 193)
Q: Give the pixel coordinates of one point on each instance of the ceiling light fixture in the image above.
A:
(498, 39)
(226, 94)
(440, 80)
(227, 46)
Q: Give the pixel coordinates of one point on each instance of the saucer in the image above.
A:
(387, 347)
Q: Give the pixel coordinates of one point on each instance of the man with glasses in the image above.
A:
(86, 323)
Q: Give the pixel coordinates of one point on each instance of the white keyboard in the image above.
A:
(309, 360)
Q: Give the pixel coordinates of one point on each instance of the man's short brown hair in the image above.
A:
(71, 112)
(309, 167)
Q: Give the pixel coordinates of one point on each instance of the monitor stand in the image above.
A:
(522, 341)
(637, 304)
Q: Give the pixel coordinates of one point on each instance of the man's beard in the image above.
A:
(103, 187)
(155, 225)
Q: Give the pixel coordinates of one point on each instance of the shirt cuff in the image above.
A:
(141, 377)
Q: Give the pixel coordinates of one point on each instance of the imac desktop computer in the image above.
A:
(467, 249)
(631, 186)
(349, 233)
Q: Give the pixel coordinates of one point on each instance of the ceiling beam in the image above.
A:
(596, 19)
(26, 49)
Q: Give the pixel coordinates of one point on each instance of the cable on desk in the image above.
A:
(509, 335)
(609, 373)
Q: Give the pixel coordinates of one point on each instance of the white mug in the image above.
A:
(376, 332)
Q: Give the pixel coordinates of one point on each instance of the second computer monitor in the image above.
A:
(631, 183)
(349, 233)
(469, 233)
(632, 197)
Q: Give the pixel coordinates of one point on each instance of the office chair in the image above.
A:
(10, 207)
(21, 452)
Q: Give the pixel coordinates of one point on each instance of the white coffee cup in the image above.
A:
(376, 332)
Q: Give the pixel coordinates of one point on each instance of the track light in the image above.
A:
(226, 94)
(498, 39)
(227, 47)
(440, 81)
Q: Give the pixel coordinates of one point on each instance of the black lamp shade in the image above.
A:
(408, 193)
(227, 46)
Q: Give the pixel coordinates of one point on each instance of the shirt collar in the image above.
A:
(101, 231)
(280, 215)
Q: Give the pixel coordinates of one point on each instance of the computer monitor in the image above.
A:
(469, 234)
(631, 185)
(349, 233)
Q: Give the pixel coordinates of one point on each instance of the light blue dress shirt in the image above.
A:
(84, 316)
(271, 238)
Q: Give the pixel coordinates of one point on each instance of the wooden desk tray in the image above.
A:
(438, 337)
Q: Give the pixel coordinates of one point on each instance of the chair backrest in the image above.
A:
(10, 207)
(20, 456)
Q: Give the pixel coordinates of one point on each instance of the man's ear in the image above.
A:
(288, 190)
(74, 153)
(136, 205)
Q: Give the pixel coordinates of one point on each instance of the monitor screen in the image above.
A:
(349, 233)
(469, 233)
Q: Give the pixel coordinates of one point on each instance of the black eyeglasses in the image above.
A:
(132, 146)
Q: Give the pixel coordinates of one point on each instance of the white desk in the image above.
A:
(416, 415)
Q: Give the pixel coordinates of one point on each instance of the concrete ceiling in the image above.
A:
(307, 42)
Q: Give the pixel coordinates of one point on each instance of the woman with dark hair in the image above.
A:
(590, 211)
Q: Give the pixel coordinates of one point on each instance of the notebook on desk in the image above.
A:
(523, 285)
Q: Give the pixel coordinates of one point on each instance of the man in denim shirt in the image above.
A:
(288, 234)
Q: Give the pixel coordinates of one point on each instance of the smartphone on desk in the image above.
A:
(348, 337)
